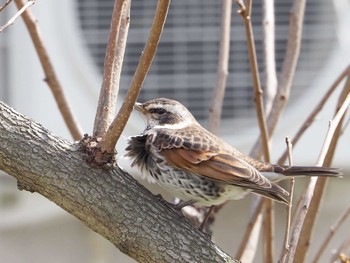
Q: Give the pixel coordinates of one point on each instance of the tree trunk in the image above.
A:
(107, 200)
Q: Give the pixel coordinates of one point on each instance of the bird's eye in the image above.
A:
(159, 111)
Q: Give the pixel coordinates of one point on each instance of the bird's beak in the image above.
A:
(139, 107)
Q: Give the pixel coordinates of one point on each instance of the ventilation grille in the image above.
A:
(185, 65)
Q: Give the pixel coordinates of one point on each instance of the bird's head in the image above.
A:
(165, 113)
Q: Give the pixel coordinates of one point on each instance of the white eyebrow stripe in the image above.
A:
(175, 126)
(168, 107)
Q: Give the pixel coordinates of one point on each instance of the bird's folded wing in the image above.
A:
(220, 167)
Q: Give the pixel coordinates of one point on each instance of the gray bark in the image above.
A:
(107, 200)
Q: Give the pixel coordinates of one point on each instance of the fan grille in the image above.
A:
(186, 62)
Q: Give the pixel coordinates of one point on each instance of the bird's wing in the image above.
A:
(196, 152)
(224, 168)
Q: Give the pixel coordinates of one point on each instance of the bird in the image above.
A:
(197, 166)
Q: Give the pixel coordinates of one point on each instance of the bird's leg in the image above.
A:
(182, 204)
(176, 207)
(161, 199)
(205, 220)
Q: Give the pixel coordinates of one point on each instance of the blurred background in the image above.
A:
(32, 229)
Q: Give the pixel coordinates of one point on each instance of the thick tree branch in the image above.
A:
(107, 200)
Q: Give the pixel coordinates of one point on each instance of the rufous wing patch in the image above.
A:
(218, 167)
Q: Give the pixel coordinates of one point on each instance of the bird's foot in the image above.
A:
(182, 204)
(175, 207)
(178, 207)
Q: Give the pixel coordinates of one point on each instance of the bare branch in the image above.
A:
(314, 113)
(285, 248)
(258, 93)
(269, 53)
(306, 199)
(258, 97)
(338, 253)
(222, 73)
(309, 121)
(50, 74)
(218, 94)
(245, 12)
(5, 4)
(333, 229)
(268, 231)
(20, 12)
(112, 67)
(290, 61)
(108, 142)
(288, 67)
(318, 192)
(244, 252)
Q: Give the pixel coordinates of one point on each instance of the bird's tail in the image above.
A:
(308, 171)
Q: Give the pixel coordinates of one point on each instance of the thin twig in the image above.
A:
(268, 231)
(218, 94)
(309, 121)
(108, 142)
(20, 11)
(269, 53)
(50, 74)
(5, 4)
(289, 208)
(245, 12)
(247, 237)
(288, 68)
(333, 229)
(314, 113)
(252, 244)
(300, 218)
(290, 60)
(338, 253)
(222, 71)
(318, 192)
(112, 67)
(346, 124)
(290, 151)
(344, 258)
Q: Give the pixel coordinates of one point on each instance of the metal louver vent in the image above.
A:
(186, 60)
